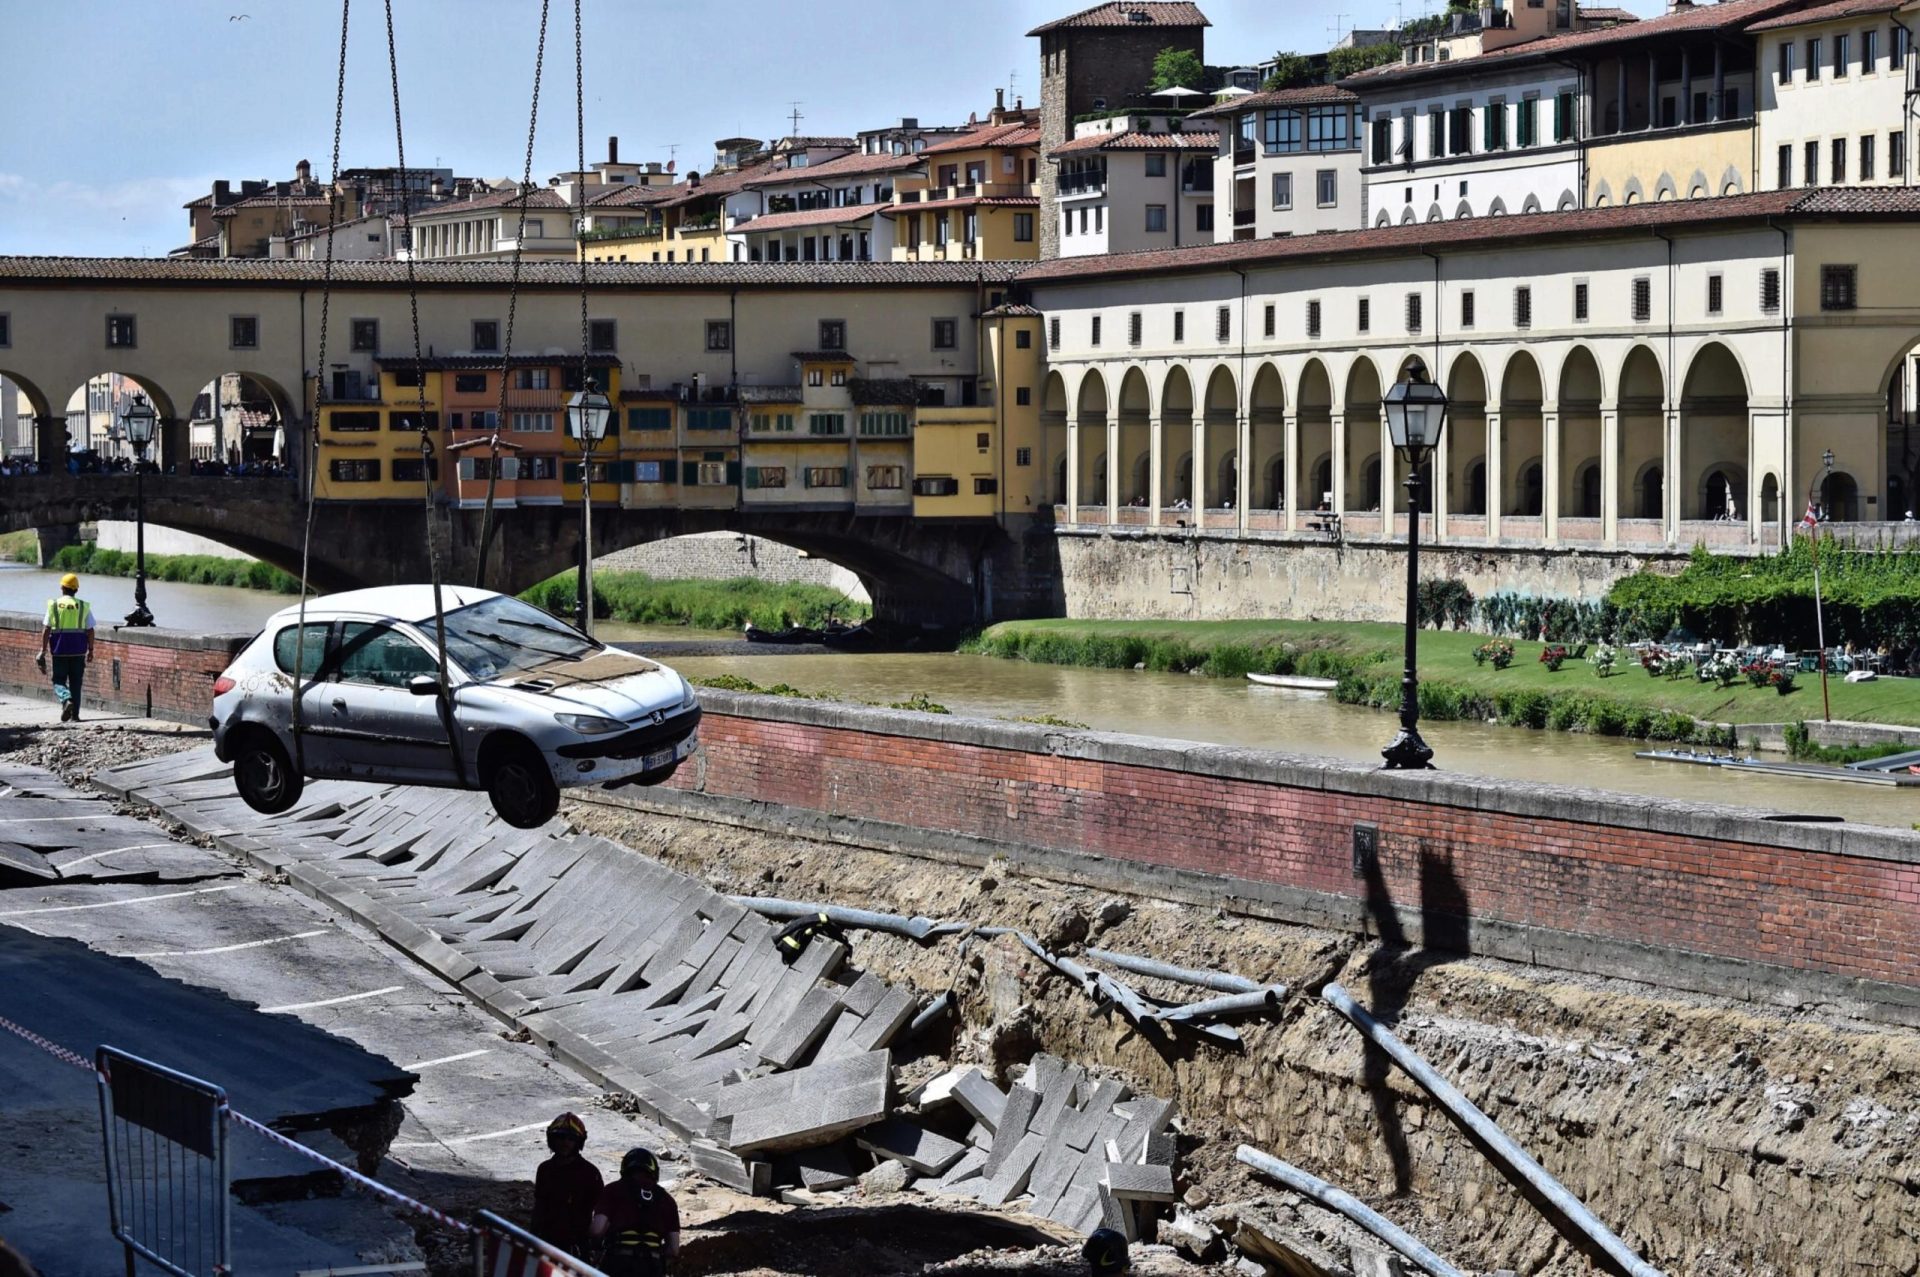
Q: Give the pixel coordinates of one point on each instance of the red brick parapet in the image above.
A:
(1714, 899)
(157, 672)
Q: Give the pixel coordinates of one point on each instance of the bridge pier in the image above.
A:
(50, 440)
(56, 538)
(176, 445)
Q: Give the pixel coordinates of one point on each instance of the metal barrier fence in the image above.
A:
(165, 1135)
(501, 1249)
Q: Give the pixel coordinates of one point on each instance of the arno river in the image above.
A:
(1175, 706)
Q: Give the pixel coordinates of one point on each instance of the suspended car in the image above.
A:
(531, 705)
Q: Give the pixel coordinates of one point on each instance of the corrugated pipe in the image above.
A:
(859, 919)
(1352, 1207)
(1593, 1235)
(1220, 980)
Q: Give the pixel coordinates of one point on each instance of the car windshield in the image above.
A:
(503, 635)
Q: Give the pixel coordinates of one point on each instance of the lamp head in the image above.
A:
(1827, 457)
(138, 417)
(1416, 410)
(588, 413)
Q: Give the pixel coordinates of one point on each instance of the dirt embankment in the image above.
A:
(1718, 1137)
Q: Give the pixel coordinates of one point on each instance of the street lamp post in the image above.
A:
(1819, 608)
(1416, 411)
(587, 415)
(138, 418)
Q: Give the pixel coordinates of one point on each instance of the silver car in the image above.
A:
(532, 704)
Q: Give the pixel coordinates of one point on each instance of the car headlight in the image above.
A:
(590, 724)
(687, 698)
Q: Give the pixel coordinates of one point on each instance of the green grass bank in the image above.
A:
(1366, 658)
(640, 599)
(186, 569)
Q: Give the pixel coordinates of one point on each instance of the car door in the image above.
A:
(377, 728)
(311, 748)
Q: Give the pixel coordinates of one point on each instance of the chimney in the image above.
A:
(693, 177)
(613, 150)
(222, 193)
(999, 99)
(303, 172)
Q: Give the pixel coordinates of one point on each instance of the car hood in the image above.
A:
(611, 683)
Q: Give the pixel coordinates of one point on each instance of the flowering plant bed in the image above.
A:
(1497, 652)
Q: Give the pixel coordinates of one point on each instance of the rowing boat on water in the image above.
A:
(1295, 682)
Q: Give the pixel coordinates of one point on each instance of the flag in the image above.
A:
(1811, 519)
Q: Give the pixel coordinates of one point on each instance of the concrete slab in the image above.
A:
(1022, 1104)
(1130, 1182)
(1011, 1178)
(921, 1150)
(981, 1098)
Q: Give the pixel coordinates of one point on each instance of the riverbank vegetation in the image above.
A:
(20, 547)
(185, 569)
(640, 599)
(1612, 699)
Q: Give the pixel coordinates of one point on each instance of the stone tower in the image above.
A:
(1102, 59)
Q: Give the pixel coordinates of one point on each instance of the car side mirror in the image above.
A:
(424, 685)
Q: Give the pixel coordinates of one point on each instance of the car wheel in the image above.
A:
(522, 788)
(264, 774)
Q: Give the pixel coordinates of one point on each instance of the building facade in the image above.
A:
(1134, 182)
(1837, 85)
(974, 196)
(1288, 163)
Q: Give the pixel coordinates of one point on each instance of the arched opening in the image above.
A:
(96, 435)
(1227, 480)
(1470, 488)
(1053, 433)
(1176, 440)
(21, 408)
(239, 425)
(1580, 460)
(1220, 423)
(1474, 499)
(1714, 436)
(1091, 430)
(1770, 500)
(1363, 438)
(1267, 439)
(1643, 441)
(1523, 444)
(1315, 398)
(1136, 439)
(1840, 498)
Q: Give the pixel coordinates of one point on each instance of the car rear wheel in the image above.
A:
(522, 788)
(264, 774)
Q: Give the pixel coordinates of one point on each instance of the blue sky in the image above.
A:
(122, 110)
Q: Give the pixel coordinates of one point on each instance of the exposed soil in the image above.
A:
(1716, 1137)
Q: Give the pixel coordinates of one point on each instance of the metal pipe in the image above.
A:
(1353, 1208)
(1232, 1004)
(1493, 1141)
(1223, 981)
(934, 1009)
(860, 919)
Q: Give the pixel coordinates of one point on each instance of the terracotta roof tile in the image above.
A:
(807, 217)
(1828, 13)
(1725, 16)
(841, 166)
(1012, 310)
(1300, 95)
(1868, 202)
(1600, 13)
(541, 198)
(1132, 141)
(270, 200)
(1119, 13)
(282, 272)
(992, 135)
(985, 201)
(718, 183)
(630, 196)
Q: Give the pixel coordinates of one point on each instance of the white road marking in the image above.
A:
(445, 1059)
(138, 846)
(332, 1002)
(225, 948)
(471, 1139)
(132, 900)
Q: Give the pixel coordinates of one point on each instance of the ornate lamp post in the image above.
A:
(138, 418)
(587, 415)
(1416, 411)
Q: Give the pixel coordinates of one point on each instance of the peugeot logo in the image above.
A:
(659, 716)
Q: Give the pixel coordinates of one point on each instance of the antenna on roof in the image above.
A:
(796, 117)
(1013, 81)
(1339, 27)
(673, 152)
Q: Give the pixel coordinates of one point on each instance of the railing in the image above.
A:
(1197, 183)
(622, 232)
(1242, 156)
(1082, 183)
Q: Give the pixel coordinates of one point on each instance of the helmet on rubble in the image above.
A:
(1106, 1252)
(565, 1128)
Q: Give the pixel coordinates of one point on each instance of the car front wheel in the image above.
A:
(522, 788)
(264, 774)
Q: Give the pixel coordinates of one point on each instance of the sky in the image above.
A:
(123, 110)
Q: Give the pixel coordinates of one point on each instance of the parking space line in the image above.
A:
(137, 846)
(445, 1059)
(131, 900)
(332, 1002)
(226, 948)
(471, 1139)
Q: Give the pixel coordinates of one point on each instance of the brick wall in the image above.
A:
(174, 668)
(1713, 899)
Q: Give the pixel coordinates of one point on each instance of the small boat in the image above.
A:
(1294, 682)
(791, 635)
(852, 638)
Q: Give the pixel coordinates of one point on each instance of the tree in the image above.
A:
(1291, 70)
(1345, 62)
(1177, 67)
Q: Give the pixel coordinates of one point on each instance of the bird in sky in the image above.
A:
(238, 17)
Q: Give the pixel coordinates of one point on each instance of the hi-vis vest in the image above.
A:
(69, 618)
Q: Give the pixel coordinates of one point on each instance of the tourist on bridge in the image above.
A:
(67, 633)
(565, 1187)
(636, 1220)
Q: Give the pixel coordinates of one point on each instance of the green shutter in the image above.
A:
(1486, 126)
(753, 476)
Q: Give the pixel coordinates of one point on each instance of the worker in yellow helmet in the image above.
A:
(67, 634)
